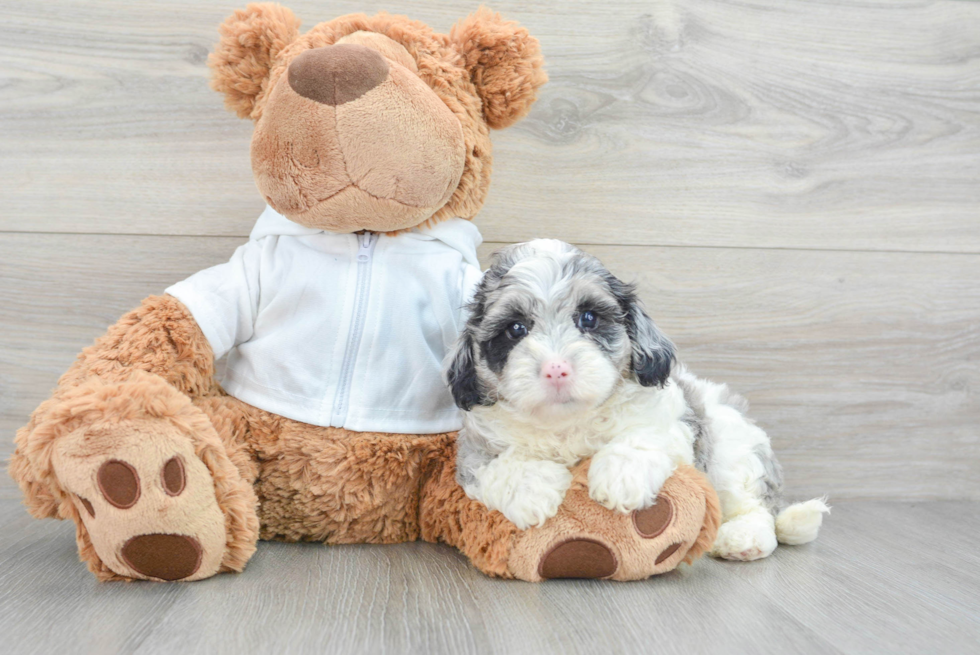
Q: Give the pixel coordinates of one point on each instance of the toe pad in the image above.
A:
(578, 558)
(119, 483)
(163, 556)
(652, 521)
(668, 551)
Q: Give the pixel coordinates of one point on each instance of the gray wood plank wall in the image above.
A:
(795, 186)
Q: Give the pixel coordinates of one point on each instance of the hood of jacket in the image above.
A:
(457, 233)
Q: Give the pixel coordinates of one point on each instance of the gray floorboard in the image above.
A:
(896, 577)
(793, 185)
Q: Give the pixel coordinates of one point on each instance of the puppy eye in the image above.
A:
(588, 321)
(516, 331)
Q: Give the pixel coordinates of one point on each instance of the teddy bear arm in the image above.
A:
(158, 337)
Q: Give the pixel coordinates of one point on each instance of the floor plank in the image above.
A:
(853, 362)
(877, 580)
(882, 552)
(709, 123)
(793, 185)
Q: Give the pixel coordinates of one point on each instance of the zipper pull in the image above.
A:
(365, 241)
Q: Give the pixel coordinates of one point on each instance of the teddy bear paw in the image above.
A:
(146, 501)
(586, 540)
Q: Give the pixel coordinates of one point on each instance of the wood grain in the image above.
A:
(794, 185)
(877, 580)
(826, 124)
(862, 366)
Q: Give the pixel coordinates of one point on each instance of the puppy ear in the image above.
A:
(251, 39)
(652, 352)
(504, 62)
(462, 378)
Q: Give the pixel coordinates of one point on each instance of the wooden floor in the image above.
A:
(883, 577)
(795, 186)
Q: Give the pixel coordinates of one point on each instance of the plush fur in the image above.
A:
(251, 40)
(558, 363)
(486, 72)
(144, 396)
(504, 63)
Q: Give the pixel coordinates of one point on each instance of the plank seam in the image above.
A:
(576, 243)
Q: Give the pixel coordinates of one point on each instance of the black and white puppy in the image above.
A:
(558, 362)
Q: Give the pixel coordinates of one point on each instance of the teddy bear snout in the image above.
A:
(337, 74)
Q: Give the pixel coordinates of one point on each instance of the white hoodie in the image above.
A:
(343, 330)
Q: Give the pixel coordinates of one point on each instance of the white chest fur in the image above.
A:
(651, 417)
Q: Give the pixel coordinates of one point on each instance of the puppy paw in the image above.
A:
(624, 479)
(528, 493)
(746, 538)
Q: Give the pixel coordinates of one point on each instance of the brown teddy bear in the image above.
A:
(372, 149)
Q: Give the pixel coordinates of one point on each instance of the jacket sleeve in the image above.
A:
(224, 299)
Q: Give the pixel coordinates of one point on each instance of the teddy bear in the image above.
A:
(332, 423)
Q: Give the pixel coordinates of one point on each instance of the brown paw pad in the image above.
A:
(163, 556)
(87, 505)
(173, 476)
(652, 521)
(668, 551)
(119, 483)
(578, 558)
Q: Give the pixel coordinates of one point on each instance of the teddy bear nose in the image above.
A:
(335, 74)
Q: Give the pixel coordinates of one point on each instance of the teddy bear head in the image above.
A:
(374, 122)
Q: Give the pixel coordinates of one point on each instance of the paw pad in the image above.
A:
(119, 483)
(173, 476)
(87, 504)
(668, 551)
(578, 558)
(163, 556)
(652, 521)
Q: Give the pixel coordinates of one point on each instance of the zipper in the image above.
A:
(365, 253)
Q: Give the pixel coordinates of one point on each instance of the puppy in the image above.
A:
(558, 361)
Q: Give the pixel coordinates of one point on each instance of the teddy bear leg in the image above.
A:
(338, 486)
(584, 540)
(449, 516)
(147, 480)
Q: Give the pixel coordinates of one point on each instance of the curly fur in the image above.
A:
(448, 516)
(712, 521)
(251, 40)
(159, 336)
(504, 62)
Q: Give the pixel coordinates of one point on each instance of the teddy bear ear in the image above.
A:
(251, 38)
(504, 62)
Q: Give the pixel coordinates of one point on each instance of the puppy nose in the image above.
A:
(556, 371)
(335, 74)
